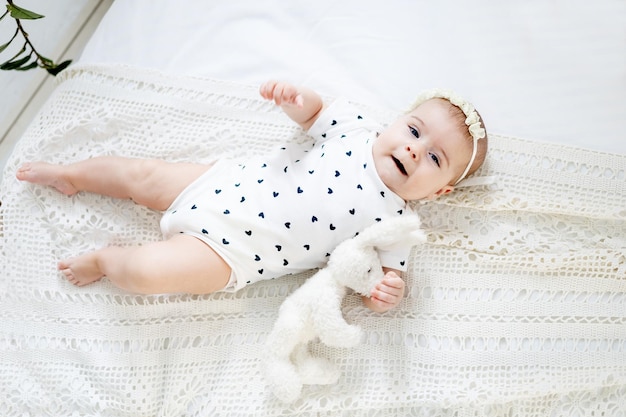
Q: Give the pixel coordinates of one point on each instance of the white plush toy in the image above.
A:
(314, 309)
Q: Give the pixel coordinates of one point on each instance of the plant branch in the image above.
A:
(24, 34)
(22, 64)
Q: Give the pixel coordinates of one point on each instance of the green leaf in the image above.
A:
(9, 65)
(46, 62)
(58, 68)
(27, 67)
(3, 47)
(21, 13)
(14, 57)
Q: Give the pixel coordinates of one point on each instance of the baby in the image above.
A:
(229, 224)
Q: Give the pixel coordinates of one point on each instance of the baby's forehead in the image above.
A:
(437, 110)
(441, 103)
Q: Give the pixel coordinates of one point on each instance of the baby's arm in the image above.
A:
(301, 104)
(388, 292)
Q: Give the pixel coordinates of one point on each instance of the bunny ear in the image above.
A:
(390, 232)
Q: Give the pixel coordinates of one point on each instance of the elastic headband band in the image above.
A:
(472, 120)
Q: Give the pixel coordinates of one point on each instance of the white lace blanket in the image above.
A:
(516, 306)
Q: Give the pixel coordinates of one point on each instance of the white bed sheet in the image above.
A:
(550, 71)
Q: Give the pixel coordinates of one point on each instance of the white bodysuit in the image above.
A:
(285, 212)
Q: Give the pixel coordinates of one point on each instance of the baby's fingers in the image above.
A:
(391, 279)
(287, 94)
(267, 89)
(390, 290)
(383, 301)
(281, 93)
(387, 294)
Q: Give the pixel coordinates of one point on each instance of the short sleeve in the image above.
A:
(396, 258)
(339, 118)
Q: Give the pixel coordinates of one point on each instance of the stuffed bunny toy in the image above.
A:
(314, 309)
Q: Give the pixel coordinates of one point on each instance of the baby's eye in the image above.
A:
(414, 132)
(435, 158)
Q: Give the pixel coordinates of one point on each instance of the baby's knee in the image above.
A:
(141, 274)
(140, 284)
(146, 283)
(147, 184)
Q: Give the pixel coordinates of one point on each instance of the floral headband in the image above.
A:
(472, 120)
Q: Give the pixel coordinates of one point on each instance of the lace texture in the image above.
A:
(515, 306)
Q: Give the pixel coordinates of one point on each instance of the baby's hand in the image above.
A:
(387, 294)
(282, 93)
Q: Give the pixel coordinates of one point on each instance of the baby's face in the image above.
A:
(420, 154)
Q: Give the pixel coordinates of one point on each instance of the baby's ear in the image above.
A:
(447, 189)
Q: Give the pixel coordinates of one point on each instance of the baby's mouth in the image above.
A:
(399, 165)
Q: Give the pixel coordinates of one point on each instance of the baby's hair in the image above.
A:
(482, 145)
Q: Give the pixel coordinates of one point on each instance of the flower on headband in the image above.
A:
(472, 118)
(476, 131)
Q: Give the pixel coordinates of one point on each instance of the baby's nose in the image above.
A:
(411, 151)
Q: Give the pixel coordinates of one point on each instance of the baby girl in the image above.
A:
(231, 223)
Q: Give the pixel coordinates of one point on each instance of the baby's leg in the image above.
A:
(150, 182)
(182, 264)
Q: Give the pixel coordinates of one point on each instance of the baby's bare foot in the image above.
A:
(81, 270)
(46, 174)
